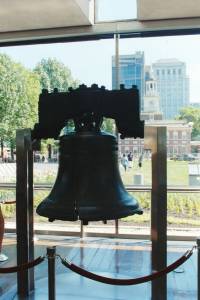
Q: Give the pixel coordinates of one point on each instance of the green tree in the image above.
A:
(54, 74)
(192, 115)
(109, 125)
(19, 91)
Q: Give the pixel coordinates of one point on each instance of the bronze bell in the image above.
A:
(88, 185)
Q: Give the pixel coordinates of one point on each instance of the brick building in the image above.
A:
(178, 139)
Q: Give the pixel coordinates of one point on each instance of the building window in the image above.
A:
(184, 135)
(183, 150)
(175, 135)
(175, 150)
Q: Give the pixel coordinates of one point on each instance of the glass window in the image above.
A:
(175, 134)
(184, 135)
(113, 10)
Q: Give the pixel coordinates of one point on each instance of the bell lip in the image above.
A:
(88, 214)
(97, 215)
(71, 215)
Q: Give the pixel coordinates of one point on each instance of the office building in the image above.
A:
(173, 86)
(131, 72)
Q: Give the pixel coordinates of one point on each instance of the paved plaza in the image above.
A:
(41, 170)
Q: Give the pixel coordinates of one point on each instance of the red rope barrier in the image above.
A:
(131, 281)
(9, 202)
(22, 267)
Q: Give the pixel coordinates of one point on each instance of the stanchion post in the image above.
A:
(24, 210)
(198, 268)
(116, 227)
(82, 230)
(51, 254)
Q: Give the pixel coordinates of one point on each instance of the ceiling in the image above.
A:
(42, 21)
(19, 15)
(170, 9)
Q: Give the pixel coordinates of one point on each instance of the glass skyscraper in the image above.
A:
(173, 86)
(131, 72)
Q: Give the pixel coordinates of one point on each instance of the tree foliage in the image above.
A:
(108, 125)
(192, 115)
(19, 91)
(54, 74)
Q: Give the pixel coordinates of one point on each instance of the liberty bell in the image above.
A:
(88, 186)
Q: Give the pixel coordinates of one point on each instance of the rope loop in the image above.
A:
(131, 281)
(23, 267)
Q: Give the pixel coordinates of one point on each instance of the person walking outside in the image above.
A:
(124, 162)
(130, 159)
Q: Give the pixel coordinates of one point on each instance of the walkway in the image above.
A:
(41, 170)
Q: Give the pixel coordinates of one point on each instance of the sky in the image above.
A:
(90, 62)
(124, 9)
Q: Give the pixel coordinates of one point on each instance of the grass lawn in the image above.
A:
(183, 208)
(177, 172)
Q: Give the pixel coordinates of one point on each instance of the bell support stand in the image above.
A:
(155, 140)
(24, 209)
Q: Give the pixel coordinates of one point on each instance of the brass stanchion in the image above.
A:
(116, 227)
(51, 254)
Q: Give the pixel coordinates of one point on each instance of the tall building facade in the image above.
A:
(131, 72)
(173, 86)
(151, 109)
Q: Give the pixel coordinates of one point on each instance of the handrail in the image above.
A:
(170, 189)
(129, 188)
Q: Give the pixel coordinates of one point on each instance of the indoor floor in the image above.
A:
(109, 257)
